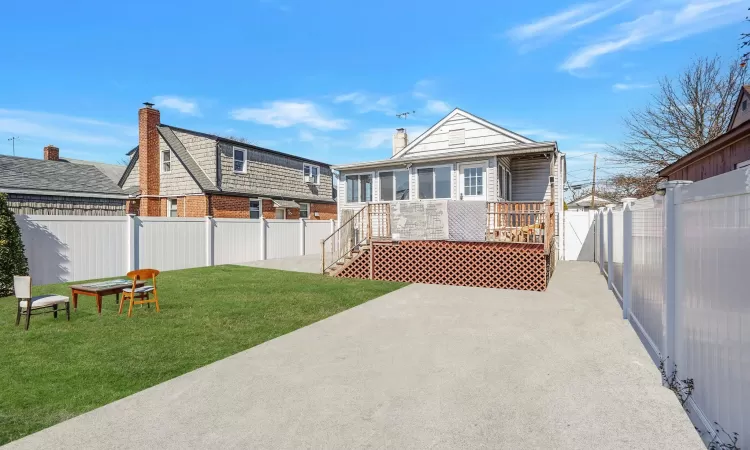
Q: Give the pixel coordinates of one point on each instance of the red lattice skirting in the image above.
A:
(482, 264)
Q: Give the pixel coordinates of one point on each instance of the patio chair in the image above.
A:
(140, 295)
(27, 303)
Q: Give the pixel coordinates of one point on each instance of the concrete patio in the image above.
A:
(423, 367)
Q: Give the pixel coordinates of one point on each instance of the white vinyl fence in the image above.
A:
(579, 238)
(684, 256)
(74, 248)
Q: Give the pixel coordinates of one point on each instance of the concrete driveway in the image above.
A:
(422, 367)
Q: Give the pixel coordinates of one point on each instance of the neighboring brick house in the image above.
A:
(56, 186)
(185, 173)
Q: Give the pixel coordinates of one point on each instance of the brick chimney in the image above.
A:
(399, 140)
(51, 153)
(148, 159)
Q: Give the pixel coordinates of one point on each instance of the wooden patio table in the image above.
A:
(101, 289)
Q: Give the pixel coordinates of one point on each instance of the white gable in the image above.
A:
(460, 130)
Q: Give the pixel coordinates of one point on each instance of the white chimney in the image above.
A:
(399, 140)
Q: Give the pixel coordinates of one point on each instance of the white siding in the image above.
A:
(474, 134)
(530, 179)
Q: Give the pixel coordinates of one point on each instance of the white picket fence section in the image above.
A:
(74, 248)
(684, 289)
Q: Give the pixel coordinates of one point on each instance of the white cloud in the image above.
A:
(376, 137)
(61, 130)
(423, 88)
(284, 114)
(437, 107)
(541, 133)
(619, 87)
(365, 103)
(183, 105)
(565, 21)
(306, 136)
(667, 25)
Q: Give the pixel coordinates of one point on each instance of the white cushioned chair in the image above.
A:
(40, 304)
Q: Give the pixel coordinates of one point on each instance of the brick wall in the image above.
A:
(148, 160)
(326, 211)
(269, 211)
(195, 206)
(59, 205)
(133, 206)
(228, 207)
(292, 213)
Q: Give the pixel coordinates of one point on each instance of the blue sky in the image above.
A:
(325, 79)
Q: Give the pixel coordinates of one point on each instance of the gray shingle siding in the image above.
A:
(58, 205)
(177, 181)
(271, 174)
(203, 151)
(133, 179)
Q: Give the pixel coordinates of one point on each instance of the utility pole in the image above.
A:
(593, 185)
(13, 143)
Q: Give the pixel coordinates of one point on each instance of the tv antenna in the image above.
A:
(13, 143)
(405, 115)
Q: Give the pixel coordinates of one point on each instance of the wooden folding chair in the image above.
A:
(27, 303)
(140, 295)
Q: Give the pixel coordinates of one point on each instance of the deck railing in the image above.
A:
(520, 222)
(515, 222)
(353, 233)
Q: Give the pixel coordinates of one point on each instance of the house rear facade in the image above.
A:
(185, 173)
(467, 203)
(462, 157)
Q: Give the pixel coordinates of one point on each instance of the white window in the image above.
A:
(166, 161)
(240, 160)
(281, 213)
(254, 208)
(456, 137)
(394, 185)
(171, 207)
(304, 210)
(472, 181)
(434, 182)
(358, 188)
(311, 173)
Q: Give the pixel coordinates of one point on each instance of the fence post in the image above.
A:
(627, 256)
(610, 245)
(333, 226)
(302, 236)
(670, 274)
(130, 242)
(262, 255)
(209, 241)
(600, 237)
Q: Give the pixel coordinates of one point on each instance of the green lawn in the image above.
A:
(60, 369)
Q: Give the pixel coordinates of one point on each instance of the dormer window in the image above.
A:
(311, 174)
(744, 105)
